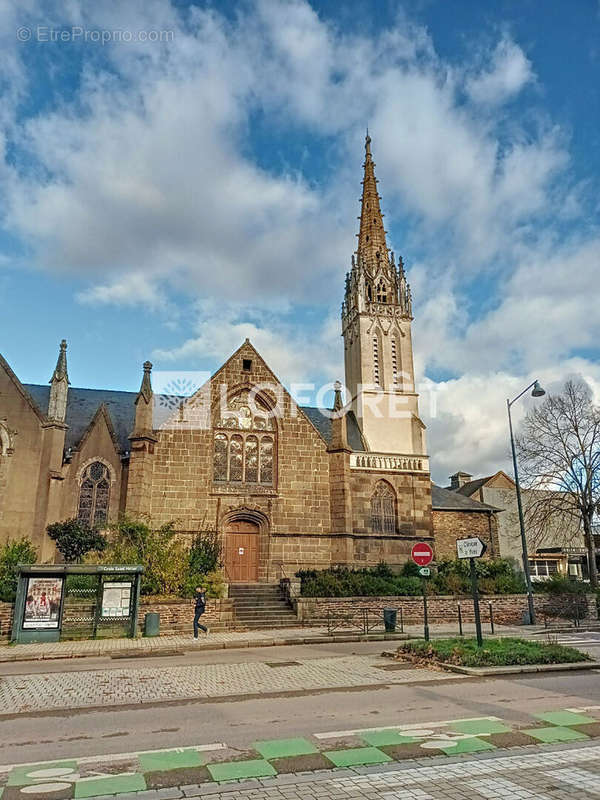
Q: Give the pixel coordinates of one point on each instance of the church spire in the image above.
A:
(372, 246)
(59, 386)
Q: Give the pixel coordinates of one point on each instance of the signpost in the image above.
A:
(422, 554)
(473, 548)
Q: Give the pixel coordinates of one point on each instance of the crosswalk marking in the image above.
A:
(493, 788)
(579, 778)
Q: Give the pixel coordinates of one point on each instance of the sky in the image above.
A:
(176, 177)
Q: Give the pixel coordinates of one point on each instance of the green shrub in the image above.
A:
(494, 653)
(213, 582)
(74, 539)
(496, 576)
(163, 556)
(205, 554)
(20, 551)
(561, 584)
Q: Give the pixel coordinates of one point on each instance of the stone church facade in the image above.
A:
(286, 487)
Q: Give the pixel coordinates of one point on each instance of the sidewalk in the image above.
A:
(98, 648)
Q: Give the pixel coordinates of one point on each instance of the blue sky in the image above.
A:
(165, 200)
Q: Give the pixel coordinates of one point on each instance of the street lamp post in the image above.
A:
(537, 392)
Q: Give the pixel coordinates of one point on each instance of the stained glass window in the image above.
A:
(383, 509)
(220, 457)
(240, 456)
(251, 459)
(236, 447)
(94, 495)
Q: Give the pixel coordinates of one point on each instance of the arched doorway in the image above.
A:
(241, 551)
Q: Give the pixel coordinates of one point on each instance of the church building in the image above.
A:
(286, 487)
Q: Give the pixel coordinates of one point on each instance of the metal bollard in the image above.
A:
(491, 617)
(401, 621)
(460, 629)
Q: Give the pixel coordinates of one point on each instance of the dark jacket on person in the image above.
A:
(201, 601)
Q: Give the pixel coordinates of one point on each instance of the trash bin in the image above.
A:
(390, 615)
(152, 624)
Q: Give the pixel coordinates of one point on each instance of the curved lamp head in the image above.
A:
(537, 390)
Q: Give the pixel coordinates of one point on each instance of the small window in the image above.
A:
(247, 364)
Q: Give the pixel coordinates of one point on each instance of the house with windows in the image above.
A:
(286, 487)
(558, 548)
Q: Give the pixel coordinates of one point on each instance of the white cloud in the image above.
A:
(145, 182)
(508, 71)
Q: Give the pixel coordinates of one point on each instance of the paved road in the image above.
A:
(588, 641)
(64, 733)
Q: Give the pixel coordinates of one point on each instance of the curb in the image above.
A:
(518, 669)
(239, 645)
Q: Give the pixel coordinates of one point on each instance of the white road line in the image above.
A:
(412, 726)
(201, 748)
(493, 788)
(579, 778)
(583, 709)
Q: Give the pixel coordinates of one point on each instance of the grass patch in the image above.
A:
(494, 653)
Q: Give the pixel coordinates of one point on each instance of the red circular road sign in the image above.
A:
(422, 554)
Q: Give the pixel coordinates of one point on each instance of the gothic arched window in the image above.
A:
(94, 494)
(381, 291)
(244, 443)
(383, 508)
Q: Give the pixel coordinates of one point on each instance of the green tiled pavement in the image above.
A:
(387, 738)
(357, 757)
(565, 718)
(117, 784)
(237, 770)
(478, 726)
(161, 760)
(25, 776)
(556, 733)
(471, 745)
(281, 748)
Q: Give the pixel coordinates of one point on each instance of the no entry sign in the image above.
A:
(422, 554)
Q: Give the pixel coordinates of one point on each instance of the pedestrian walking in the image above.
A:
(199, 610)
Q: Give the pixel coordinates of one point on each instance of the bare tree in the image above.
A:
(559, 454)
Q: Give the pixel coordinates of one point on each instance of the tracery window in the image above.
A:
(381, 291)
(244, 443)
(383, 508)
(94, 494)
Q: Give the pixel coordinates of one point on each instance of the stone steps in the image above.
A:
(261, 606)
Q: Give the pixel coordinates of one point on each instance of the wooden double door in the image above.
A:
(241, 551)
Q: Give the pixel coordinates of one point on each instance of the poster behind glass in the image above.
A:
(116, 599)
(42, 603)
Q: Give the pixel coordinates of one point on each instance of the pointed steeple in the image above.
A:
(59, 387)
(372, 245)
(143, 405)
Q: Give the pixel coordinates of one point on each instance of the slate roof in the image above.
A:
(469, 488)
(323, 424)
(446, 500)
(82, 404)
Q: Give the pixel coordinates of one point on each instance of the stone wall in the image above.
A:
(507, 609)
(448, 526)
(177, 616)
(6, 613)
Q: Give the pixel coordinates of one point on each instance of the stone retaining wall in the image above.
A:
(508, 609)
(176, 616)
(6, 613)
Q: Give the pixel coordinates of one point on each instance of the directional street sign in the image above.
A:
(422, 554)
(470, 548)
(424, 572)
